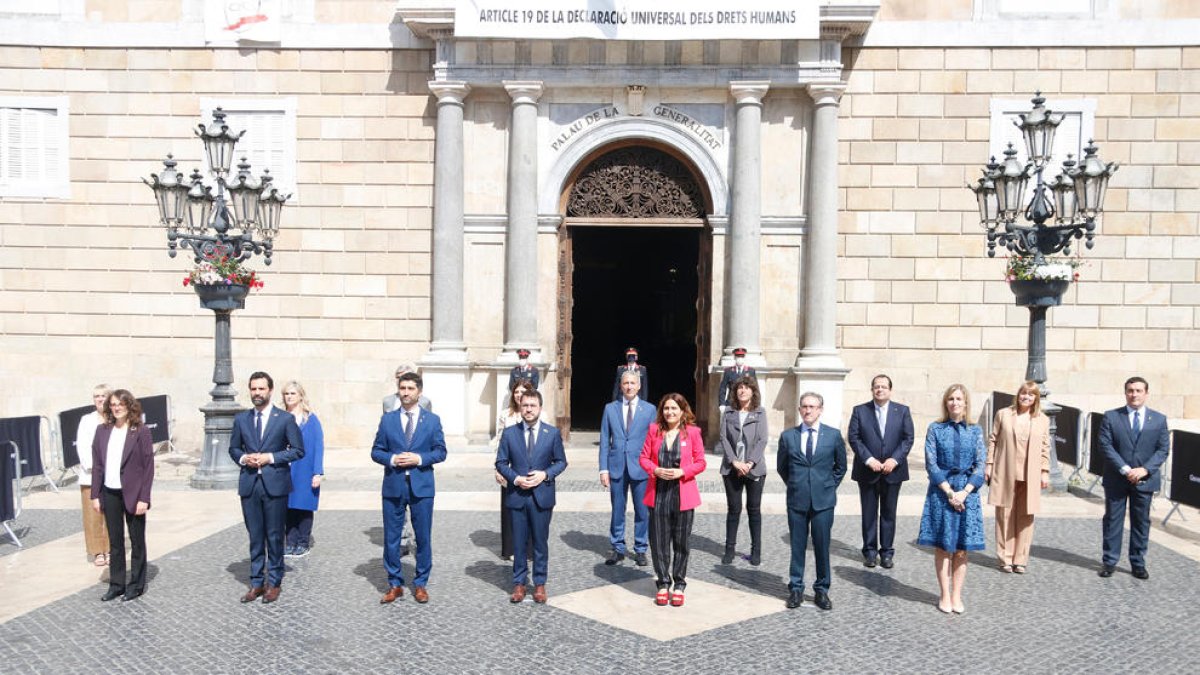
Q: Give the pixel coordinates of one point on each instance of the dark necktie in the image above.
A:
(529, 446)
(408, 428)
(1137, 425)
(808, 446)
(628, 415)
(258, 424)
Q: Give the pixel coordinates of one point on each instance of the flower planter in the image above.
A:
(222, 296)
(1039, 292)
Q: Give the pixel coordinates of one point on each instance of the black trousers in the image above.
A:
(878, 501)
(299, 528)
(734, 486)
(670, 530)
(112, 503)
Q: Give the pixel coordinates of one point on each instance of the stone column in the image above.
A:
(444, 368)
(819, 367)
(520, 246)
(447, 282)
(745, 233)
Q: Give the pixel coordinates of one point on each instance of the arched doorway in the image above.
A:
(634, 262)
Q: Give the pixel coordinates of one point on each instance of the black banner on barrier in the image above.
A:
(68, 427)
(27, 433)
(1095, 454)
(1066, 435)
(1185, 468)
(155, 413)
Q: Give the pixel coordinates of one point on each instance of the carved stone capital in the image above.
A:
(525, 91)
(826, 94)
(449, 91)
(749, 92)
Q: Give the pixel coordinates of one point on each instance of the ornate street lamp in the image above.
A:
(1060, 211)
(220, 232)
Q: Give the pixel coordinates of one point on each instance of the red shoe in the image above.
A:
(660, 598)
(677, 599)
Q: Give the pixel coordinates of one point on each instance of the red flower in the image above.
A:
(187, 280)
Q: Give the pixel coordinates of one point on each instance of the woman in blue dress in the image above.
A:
(307, 472)
(952, 522)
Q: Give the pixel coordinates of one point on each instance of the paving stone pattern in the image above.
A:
(1060, 617)
(38, 526)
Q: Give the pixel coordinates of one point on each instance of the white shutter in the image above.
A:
(270, 138)
(33, 147)
(1072, 135)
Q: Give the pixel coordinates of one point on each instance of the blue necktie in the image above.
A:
(1137, 425)
(529, 446)
(808, 446)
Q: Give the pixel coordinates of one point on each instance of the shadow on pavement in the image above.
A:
(489, 539)
(375, 573)
(496, 574)
(884, 585)
(1065, 557)
(581, 541)
(375, 534)
(756, 580)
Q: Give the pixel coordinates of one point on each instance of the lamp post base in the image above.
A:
(217, 471)
(1058, 482)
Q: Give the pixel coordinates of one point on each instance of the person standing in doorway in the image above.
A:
(524, 370)
(631, 365)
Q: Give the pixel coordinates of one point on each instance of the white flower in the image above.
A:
(1053, 271)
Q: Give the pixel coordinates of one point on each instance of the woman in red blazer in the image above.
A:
(122, 474)
(673, 455)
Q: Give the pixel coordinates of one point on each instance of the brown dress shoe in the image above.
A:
(518, 594)
(253, 594)
(393, 594)
(271, 595)
(420, 594)
(539, 594)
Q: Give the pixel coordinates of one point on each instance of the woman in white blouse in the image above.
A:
(95, 534)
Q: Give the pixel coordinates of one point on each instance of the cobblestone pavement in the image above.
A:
(38, 526)
(1058, 618)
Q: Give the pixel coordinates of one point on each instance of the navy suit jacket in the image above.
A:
(518, 374)
(1119, 448)
(865, 441)
(512, 461)
(812, 487)
(281, 437)
(643, 394)
(428, 441)
(621, 450)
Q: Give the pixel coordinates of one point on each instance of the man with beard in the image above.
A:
(265, 440)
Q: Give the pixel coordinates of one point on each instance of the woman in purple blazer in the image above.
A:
(122, 474)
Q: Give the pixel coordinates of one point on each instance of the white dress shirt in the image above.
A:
(112, 459)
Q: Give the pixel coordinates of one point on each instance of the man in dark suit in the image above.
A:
(265, 440)
(881, 435)
(812, 462)
(408, 443)
(1135, 443)
(631, 365)
(523, 370)
(623, 428)
(530, 457)
(731, 374)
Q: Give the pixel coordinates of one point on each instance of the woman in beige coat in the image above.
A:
(1018, 469)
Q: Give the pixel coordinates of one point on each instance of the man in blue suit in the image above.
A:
(881, 435)
(1135, 443)
(623, 430)
(530, 457)
(264, 441)
(408, 443)
(812, 462)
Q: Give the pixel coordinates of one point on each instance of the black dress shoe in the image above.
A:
(869, 561)
(1140, 573)
(727, 558)
(640, 559)
(795, 599)
(112, 594)
(614, 557)
(132, 595)
(1107, 571)
(821, 599)
(755, 558)
(887, 563)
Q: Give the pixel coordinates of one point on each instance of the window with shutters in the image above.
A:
(33, 147)
(270, 139)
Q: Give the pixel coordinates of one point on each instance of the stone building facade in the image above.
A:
(459, 198)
